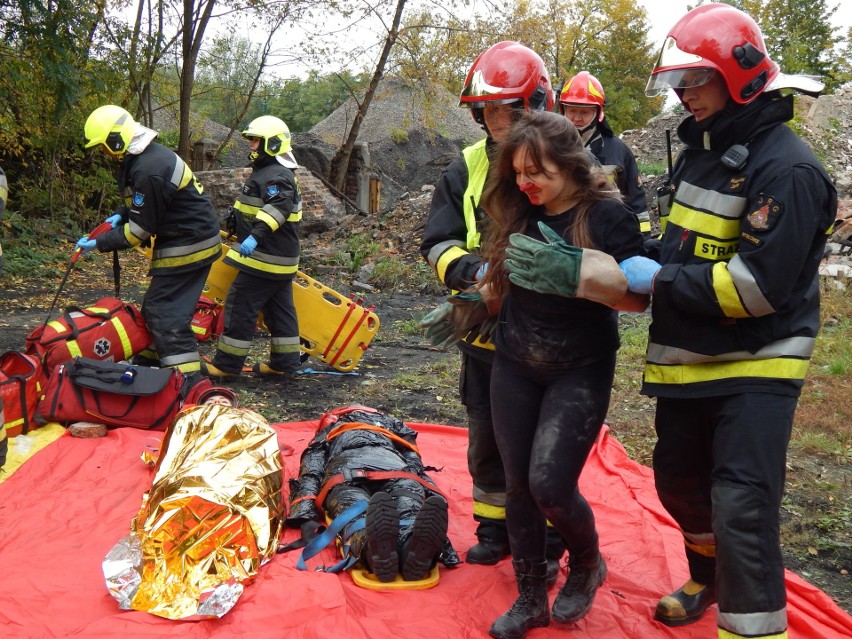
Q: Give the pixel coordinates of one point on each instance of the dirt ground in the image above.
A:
(403, 375)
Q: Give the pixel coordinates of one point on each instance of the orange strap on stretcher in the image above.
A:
(342, 428)
(339, 478)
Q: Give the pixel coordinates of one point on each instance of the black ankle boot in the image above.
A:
(420, 551)
(585, 575)
(382, 525)
(531, 608)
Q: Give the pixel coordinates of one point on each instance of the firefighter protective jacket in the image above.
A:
(618, 162)
(269, 207)
(165, 200)
(455, 227)
(736, 302)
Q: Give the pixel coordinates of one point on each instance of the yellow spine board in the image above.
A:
(334, 329)
(365, 579)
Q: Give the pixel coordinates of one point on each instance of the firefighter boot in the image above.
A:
(382, 525)
(686, 605)
(492, 546)
(265, 370)
(585, 575)
(421, 549)
(531, 608)
(217, 373)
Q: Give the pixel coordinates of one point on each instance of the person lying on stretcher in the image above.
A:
(366, 464)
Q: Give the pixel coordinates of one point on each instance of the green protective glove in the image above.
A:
(551, 267)
(469, 311)
(454, 319)
(554, 267)
(438, 326)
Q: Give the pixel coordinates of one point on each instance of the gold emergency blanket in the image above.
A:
(211, 518)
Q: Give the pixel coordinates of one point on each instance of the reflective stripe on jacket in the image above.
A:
(736, 303)
(165, 202)
(269, 207)
(453, 231)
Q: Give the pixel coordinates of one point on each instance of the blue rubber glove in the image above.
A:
(85, 244)
(640, 272)
(248, 245)
(483, 269)
(114, 219)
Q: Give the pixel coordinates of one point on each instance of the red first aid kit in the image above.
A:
(208, 321)
(110, 330)
(21, 383)
(87, 390)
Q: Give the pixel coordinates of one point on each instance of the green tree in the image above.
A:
(622, 59)
(799, 36)
(607, 38)
(303, 103)
(49, 68)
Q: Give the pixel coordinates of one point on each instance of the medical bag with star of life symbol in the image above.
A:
(110, 330)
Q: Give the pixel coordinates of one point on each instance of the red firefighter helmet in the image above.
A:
(583, 90)
(714, 37)
(504, 73)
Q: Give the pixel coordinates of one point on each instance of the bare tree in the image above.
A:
(341, 159)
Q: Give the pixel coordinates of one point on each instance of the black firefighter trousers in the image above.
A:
(719, 467)
(168, 307)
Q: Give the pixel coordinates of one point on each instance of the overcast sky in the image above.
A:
(663, 14)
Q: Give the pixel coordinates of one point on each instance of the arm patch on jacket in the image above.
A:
(764, 215)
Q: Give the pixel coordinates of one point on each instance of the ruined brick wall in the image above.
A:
(320, 209)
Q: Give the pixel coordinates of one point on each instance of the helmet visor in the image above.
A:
(478, 93)
(678, 79)
(481, 104)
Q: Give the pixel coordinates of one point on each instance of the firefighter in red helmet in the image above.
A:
(582, 101)
(735, 315)
(504, 80)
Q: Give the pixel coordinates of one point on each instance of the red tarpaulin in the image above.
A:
(72, 501)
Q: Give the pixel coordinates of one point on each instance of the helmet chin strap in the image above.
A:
(588, 131)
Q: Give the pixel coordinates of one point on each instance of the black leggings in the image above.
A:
(546, 422)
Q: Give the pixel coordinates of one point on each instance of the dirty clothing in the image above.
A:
(734, 321)
(551, 331)
(350, 444)
(550, 391)
(547, 421)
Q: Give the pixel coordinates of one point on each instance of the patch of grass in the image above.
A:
(30, 246)
(360, 247)
(631, 414)
(409, 327)
(399, 136)
(393, 273)
(823, 421)
(652, 168)
(441, 374)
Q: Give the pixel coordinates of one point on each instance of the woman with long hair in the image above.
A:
(555, 352)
